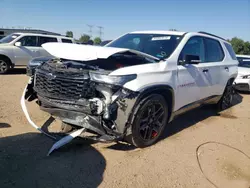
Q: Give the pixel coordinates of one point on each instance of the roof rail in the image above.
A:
(202, 32)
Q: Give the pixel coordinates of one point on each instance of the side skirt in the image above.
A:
(209, 100)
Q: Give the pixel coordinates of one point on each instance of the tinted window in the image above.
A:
(194, 46)
(28, 41)
(157, 45)
(214, 52)
(43, 40)
(231, 51)
(66, 40)
(9, 38)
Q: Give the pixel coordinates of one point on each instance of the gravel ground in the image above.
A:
(199, 149)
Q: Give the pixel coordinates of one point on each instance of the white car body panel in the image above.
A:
(84, 52)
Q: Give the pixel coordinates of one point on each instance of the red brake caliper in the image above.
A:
(154, 134)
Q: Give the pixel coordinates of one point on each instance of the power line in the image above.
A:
(90, 29)
(100, 31)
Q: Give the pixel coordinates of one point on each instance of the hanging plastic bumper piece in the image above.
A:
(59, 143)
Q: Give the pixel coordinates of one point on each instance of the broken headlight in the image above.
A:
(116, 80)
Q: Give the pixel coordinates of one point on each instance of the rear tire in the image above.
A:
(150, 118)
(226, 100)
(4, 65)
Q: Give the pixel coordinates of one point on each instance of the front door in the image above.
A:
(193, 83)
(27, 51)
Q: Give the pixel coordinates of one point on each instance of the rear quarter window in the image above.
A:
(230, 50)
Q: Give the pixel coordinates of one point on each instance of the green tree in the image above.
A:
(238, 45)
(69, 34)
(97, 40)
(84, 38)
(246, 48)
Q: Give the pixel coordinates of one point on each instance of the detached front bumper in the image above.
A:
(112, 129)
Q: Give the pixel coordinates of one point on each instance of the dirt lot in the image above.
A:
(199, 149)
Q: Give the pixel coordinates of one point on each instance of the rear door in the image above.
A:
(27, 51)
(43, 40)
(214, 67)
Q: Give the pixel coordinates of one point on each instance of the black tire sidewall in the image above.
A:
(220, 104)
(8, 65)
(135, 137)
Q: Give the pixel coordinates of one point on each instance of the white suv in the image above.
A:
(19, 48)
(131, 88)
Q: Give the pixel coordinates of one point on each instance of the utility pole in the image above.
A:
(90, 29)
(100, 31)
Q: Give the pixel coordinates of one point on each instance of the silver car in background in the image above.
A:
(18, 49)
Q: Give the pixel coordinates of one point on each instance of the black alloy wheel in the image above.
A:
(150, 120)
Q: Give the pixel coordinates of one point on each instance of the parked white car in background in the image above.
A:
(242, 82)
(18, 49)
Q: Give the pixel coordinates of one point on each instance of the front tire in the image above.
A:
(150, 118)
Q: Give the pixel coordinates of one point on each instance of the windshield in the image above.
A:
(9, 38)
(158, 45)
(244, 62)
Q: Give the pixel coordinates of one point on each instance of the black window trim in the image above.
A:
(204, 47)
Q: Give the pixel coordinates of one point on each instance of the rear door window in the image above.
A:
(67, 41)
(43, 40)
(213, 50)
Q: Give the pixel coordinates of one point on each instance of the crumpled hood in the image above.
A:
(243, 71)
(79, 52)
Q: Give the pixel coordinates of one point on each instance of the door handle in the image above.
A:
(226, 68)
(205, 70)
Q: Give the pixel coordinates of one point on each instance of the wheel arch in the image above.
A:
(6, 57)
(165, 90)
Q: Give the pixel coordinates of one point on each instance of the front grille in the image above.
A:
(59, 87)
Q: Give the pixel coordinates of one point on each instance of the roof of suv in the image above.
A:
(37, 34)
(160, 32)
(179, 33)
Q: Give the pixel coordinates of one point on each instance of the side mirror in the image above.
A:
(192, 59)
(18, 44)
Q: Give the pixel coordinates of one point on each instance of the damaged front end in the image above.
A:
(84, 96)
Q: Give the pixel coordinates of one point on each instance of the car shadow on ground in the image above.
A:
(23, 163)
(194, 116)
(16, 71)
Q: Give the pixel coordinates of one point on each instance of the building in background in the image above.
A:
(4, 32)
